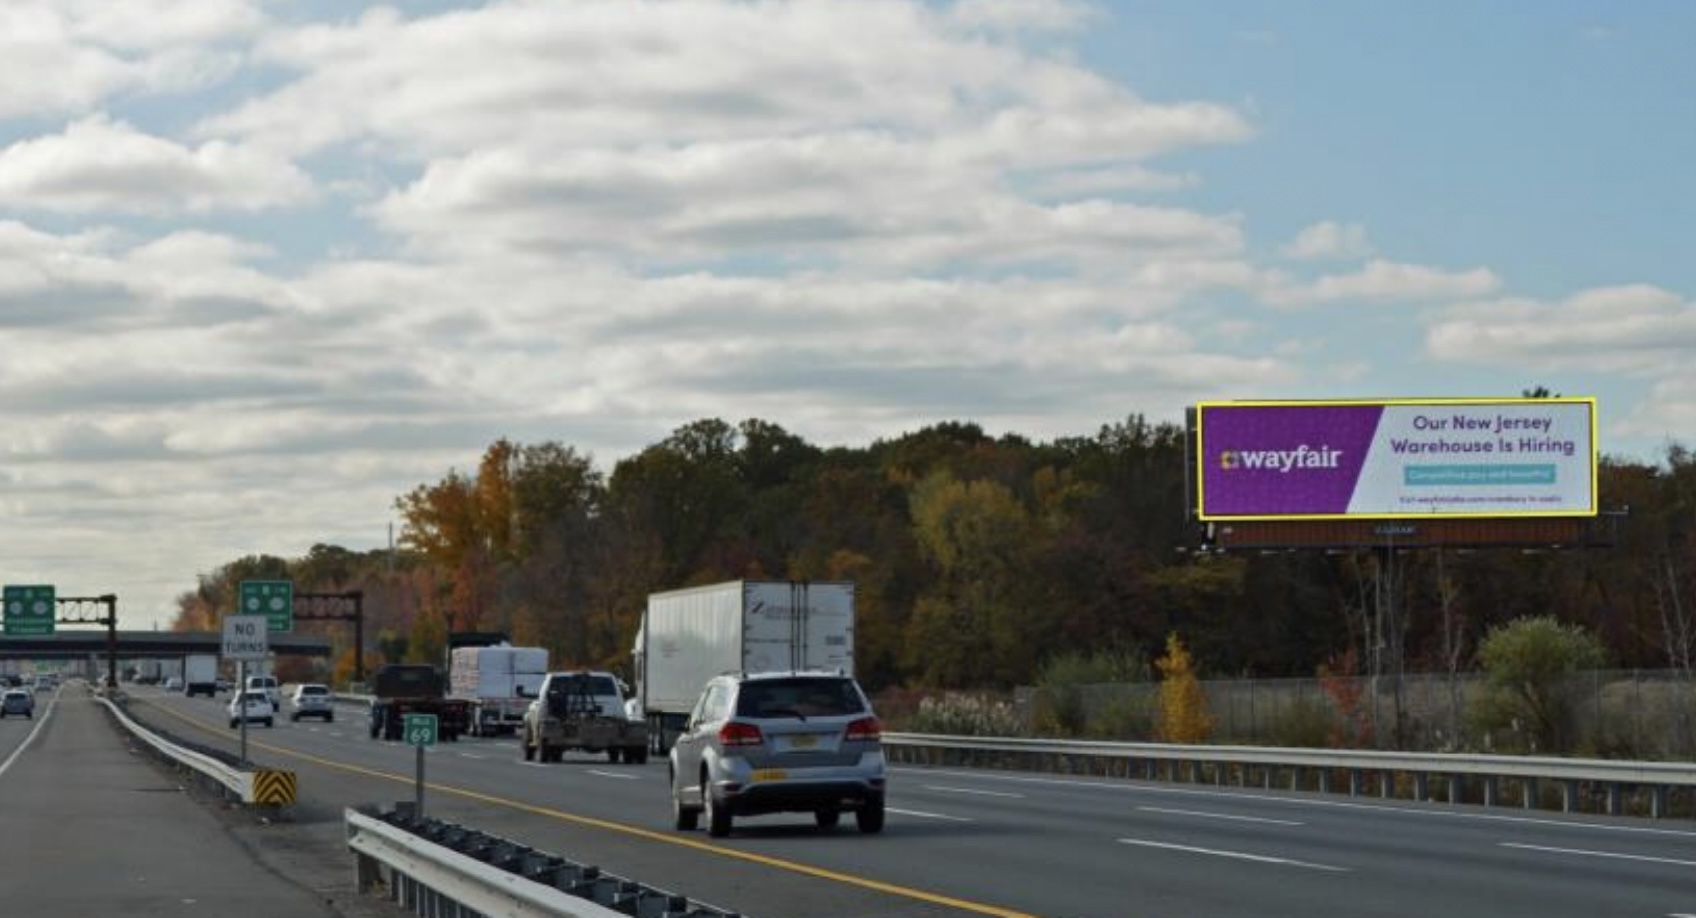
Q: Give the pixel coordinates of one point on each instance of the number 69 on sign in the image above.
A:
(418, 729)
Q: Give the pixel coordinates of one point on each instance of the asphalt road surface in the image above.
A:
(962, 842)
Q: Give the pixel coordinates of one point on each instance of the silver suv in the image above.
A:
(313, 699)
(779, 743)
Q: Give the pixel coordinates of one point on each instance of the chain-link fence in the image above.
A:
(1638, 714)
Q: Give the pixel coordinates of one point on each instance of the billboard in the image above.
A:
(1396, 458)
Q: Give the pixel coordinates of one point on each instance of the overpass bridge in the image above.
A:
(43, 642)
(65, 645)
(114, 645)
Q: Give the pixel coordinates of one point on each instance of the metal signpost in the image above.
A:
(245, 638)
(419, 731)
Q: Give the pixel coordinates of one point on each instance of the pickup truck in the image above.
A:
(582, 710)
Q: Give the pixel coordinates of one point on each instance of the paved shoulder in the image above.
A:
(93, 826)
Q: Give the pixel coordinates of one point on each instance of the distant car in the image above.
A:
(268, 686)
(252, 707)
(223, 685)
(779, 743)
(17, 701)
(174, 684)
(312, 699)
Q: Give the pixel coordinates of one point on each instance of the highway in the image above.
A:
(1001, 843)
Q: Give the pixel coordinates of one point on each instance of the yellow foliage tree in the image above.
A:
(1183, 706)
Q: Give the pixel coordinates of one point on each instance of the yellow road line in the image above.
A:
(639, 832)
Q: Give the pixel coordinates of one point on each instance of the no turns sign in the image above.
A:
(245, 638)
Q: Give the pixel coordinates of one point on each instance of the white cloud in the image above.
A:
(1120, 178)
(98, 165)
(1386, 281)
(1635, 328)
(1329, 240)
(596, 74)
(1020, 15)
(66, 56)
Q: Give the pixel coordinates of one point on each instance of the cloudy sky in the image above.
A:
(267, 265)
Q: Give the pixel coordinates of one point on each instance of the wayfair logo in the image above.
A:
(1281, 460)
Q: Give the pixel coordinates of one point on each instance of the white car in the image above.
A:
(252, 707)
(267, 686)
(312, 699)
(174, 684)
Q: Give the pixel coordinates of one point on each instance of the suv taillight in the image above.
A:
(738, 734)
(865, 730)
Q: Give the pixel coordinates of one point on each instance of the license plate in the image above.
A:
(770, 774)
(803, 741)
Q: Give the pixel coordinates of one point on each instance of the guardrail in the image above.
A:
(1411, 775)
(430, 867)
(251, 785)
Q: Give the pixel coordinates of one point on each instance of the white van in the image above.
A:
(268, 685)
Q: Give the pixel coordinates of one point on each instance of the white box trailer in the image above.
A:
(499, 681)
(689, 636)
(200, 675)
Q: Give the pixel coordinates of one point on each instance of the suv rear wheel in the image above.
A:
(684, 818)
(869, 817)
(718, 814)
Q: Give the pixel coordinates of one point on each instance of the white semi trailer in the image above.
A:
(688, 636)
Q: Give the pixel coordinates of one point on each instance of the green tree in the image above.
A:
(1528, 664)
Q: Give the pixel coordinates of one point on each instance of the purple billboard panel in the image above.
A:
(1282, 460)
(1393, 459)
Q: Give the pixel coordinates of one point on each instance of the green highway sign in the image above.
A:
(273, 599)
(29, 610)
(418, 729)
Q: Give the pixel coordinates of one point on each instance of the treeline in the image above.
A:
(979, 560)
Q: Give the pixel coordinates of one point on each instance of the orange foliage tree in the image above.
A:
(1184, 717)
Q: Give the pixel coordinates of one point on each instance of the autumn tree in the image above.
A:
(976, 533)
(1184, 717)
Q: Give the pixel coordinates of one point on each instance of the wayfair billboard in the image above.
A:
(1396, 458)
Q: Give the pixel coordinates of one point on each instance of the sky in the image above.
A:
(266, 266)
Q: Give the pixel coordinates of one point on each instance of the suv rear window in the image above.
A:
(798, 697)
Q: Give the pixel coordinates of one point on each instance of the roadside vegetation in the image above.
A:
(989, 564)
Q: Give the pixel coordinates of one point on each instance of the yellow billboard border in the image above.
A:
(1201, 454)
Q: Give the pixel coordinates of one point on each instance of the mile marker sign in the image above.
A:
(246, 638)
(418, 729)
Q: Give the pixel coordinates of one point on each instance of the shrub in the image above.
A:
(1529, 663)
(1059, 707)
(1304, 724)
(959, 714)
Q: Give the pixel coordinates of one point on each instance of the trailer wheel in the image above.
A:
(636, 755)
(614, 754)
